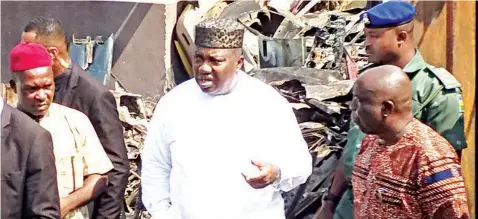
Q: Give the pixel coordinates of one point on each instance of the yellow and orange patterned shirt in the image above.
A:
(418, 177)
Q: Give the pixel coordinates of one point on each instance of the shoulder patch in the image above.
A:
(445, 77)
(460, 102)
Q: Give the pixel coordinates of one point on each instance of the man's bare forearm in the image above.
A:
(92, 187)
(337, 189)
(339, 184)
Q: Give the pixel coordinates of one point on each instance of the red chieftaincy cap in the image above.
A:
(26, 56)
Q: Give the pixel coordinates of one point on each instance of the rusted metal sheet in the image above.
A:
(455, 50)
(429, 31)
(464, 68)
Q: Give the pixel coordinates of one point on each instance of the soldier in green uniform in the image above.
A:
(437, 95)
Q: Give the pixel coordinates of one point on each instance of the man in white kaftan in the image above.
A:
(224, 145)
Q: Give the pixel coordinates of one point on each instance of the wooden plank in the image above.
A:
(430, 31)
(464, 68)
(445, 34)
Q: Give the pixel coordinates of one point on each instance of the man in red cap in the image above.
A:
(29, 188)
(81, 162)
(77, 89)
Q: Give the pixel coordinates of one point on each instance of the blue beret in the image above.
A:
(389, 14)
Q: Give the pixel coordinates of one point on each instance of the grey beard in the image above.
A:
(228, 87)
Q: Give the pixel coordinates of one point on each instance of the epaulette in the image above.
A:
(445, 77)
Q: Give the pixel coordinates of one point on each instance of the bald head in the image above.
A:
(382, 97)
(387, 83)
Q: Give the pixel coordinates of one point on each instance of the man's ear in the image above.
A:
(13, 85)
(387, 108)
(53, 51)
(240, 62)
(402, 37)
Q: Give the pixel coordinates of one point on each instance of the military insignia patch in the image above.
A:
(365, 18)
(460, 103)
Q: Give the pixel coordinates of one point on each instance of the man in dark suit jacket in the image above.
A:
(29, 186)
(76, 89)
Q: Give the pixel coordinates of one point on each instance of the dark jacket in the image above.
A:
(81, 92)
(29, 186)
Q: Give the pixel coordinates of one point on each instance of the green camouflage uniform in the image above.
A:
(437, 102)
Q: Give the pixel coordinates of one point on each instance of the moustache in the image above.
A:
(206, 78)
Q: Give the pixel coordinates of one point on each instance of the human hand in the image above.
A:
(64, 209)
(326, 211)
(267, 175)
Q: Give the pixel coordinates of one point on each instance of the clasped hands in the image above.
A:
(267, 174)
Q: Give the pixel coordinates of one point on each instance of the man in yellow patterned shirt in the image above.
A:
(81, 161)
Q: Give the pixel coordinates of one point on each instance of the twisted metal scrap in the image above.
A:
(135, 114)
(324, 130)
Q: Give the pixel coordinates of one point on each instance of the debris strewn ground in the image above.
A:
(135, 114)
(309, 51)
(321, 106)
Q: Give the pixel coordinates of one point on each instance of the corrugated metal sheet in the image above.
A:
(446, 37)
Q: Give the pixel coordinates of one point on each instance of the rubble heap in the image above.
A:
(134, 113)
(310, 52)
(320, 100)
(303, 34)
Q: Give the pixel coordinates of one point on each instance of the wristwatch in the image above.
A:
(333, 198)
